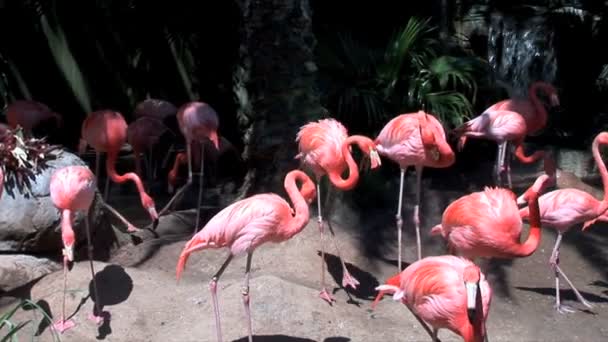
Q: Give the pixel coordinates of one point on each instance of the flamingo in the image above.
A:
(155, 108)
(447, 292)
(324, 147)
(414, 139)
(143, 134)
(487, 223)
(245, 225)
(106, 131)
(197, 121)
(29, 114)
(562, 209)
(73, 189)
(501, 126)
(1, 181)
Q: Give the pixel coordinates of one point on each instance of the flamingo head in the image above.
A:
(602, 138)
(392, 286)
(540, 185)
(148, 203)
(369, 148)
(214, 139)
(554, 99)
(68, 244)
(308, 191)
(471, 277)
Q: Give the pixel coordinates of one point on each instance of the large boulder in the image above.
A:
(30, 223)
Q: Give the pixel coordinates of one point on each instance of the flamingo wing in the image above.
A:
(564, 208)
(320, 143)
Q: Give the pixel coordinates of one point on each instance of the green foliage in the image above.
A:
(12, 328)
(365, 86)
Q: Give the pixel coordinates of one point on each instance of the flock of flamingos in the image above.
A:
(447, 291)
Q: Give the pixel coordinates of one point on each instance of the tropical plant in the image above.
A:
(365, 86)
(12, 328)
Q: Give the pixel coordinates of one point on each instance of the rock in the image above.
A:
(19, 269)
(29, 222)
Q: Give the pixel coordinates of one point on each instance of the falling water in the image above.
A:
(521, 51)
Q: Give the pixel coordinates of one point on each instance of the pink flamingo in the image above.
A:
(324, 147)
(197, 121)
(501, 126)
(1, 182)
(447, 292)
(29, 114)
(414, 139)
(106, 131)
(561, 209)
(73, 189)
(143, 134)
(532, 109)
(154, 108)
(245, 225)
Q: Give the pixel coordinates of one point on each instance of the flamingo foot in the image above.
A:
(349, 280)
(63, 325)
(563, 309)
(326, 296)
(132, 229)
(586, 303)
(96, 319)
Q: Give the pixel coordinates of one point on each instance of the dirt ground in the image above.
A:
(145, 303)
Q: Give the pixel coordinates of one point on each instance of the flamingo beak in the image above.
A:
(521, 200)
(471, 299)
(214, 138)
(153, 213)
(374, 158)
(554, 100)
(68, 252)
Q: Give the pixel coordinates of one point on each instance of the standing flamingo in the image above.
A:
(245, 225)
(501, 126)
(561, 209)
(155, 108)
(447, 292)
(324, 147)
(73, 189)
(414, 139)
(143, 134)
(1, 181)
(29, 114)
(106, 131)
(197, 121)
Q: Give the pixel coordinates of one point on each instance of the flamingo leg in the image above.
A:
(166, 158)
(434, 335)
(554, 261)
(246, 295)
(96, 316)
(508, 165)
(398, 218)
(419, 169)
(185, 186)
(213, 289)
(130, 227)
(347, 278)
(324, 294)
(64, 324)
(106, 189)
(200, 188)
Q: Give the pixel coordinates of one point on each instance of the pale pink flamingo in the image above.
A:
(106, 131)
(501, 126)
(324, 147)
(245, 225)
(562, 209)
(29, 114)
(143, 134)
(73, 189)
(487, 223)
(416, 139)
(446, 292)
(532, 109)
(198, 122)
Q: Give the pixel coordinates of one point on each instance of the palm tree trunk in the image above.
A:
(274, 88)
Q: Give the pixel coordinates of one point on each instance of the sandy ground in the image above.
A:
(145, 303)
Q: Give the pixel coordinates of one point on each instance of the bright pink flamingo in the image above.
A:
(562, 209)
(245, 225)
(532, 109)
(106, 131)
(324, 147)
(416, 139)
(73, 189)
(198, 122)
(447, 292)
(143, 134)
(29, 114)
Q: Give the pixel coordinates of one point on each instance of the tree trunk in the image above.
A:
(274, 87)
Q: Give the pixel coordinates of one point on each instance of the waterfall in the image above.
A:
(521, 51)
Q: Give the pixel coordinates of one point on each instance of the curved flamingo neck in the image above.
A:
(603, 172)
(335, 176)
(539, 107)
(297, 222)
(533, 240)
(67, 232)
(129, 176)
(521, 156)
